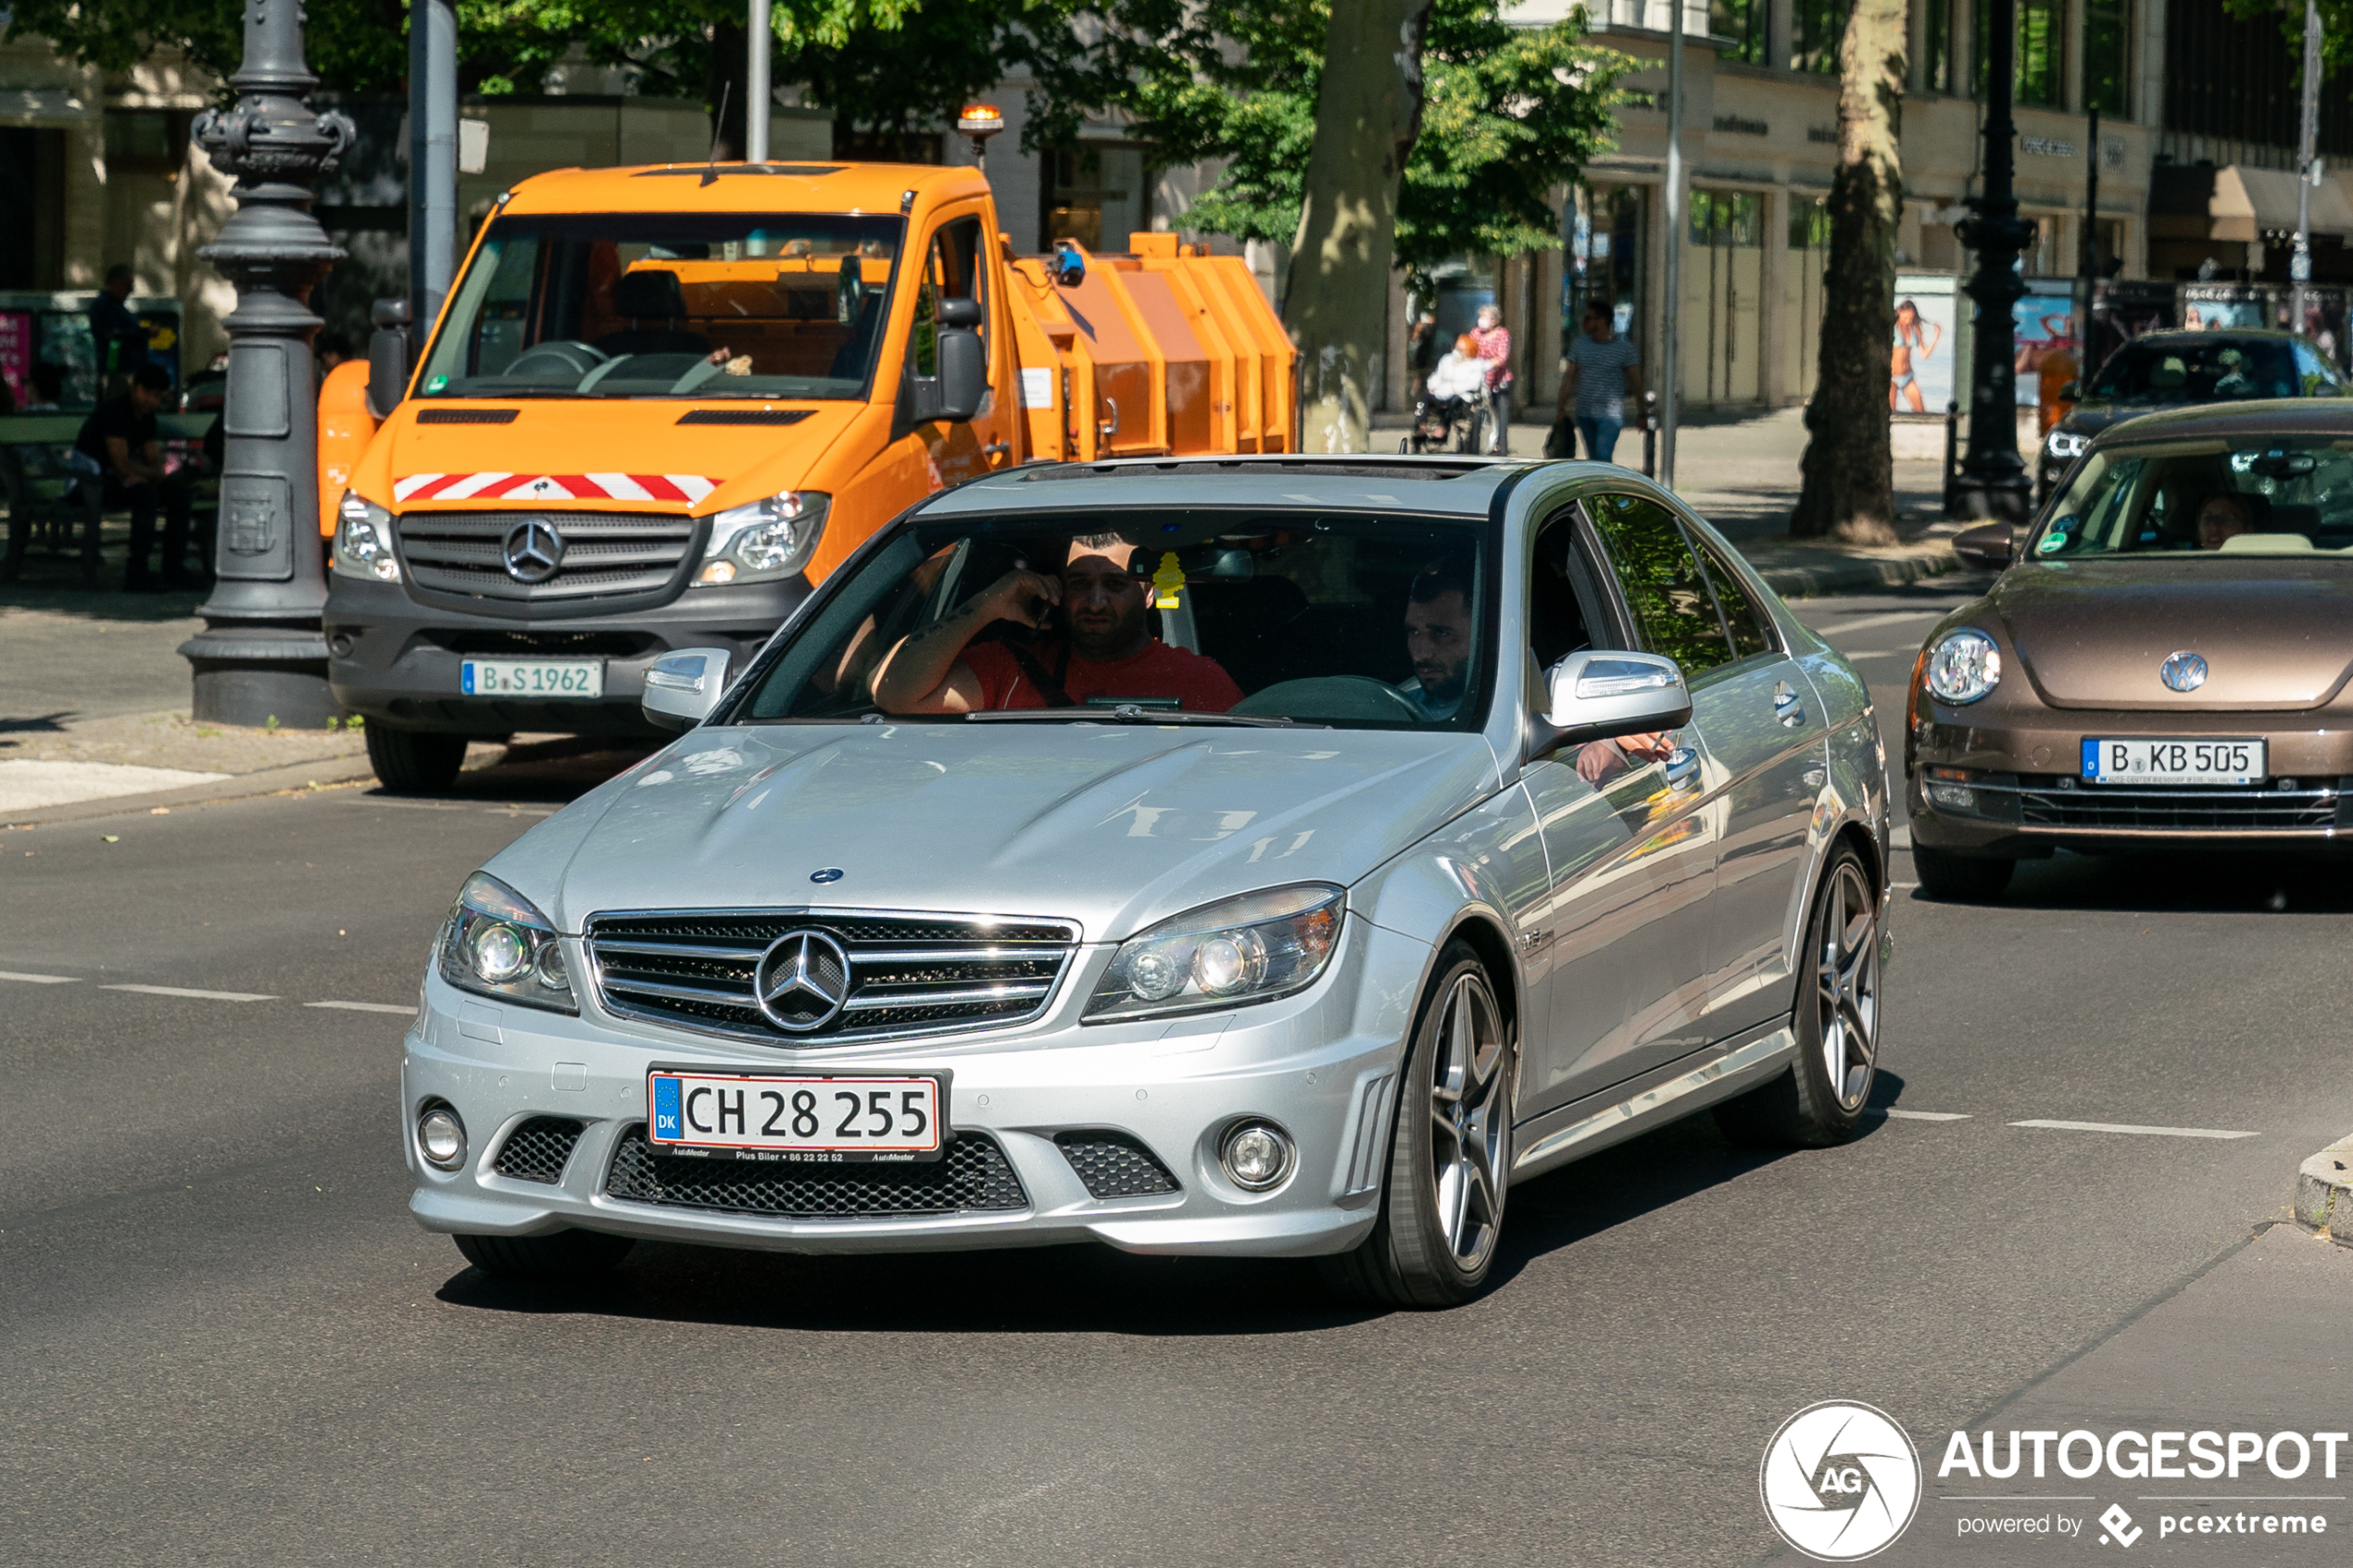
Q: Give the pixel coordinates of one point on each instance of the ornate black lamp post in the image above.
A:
(1993, 482)
(260, 655)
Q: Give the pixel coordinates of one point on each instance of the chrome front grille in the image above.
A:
(606, 554)
(2188, 810)
(906, 974)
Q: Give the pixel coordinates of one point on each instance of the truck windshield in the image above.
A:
(669, 304)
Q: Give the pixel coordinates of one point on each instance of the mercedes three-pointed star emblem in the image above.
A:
(2183, 671)
(802, 981)
(533, 551)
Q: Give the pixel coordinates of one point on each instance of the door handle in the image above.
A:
(1787, 707)
(1682, 768)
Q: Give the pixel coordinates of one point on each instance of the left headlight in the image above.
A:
(763, 540)
(497, 944)
(2065, 445)
(1964, 666)
(1251, 948)
(363, 541)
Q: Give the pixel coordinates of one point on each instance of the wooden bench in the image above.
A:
(49, 502)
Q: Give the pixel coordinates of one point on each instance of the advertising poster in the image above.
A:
(2043, 323)
(2208, 307)
(16, 354)
(2122, 310)
(1919, 366)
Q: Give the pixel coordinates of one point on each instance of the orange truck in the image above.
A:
(661, 403)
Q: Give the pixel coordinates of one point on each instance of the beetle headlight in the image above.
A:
(497, 944)
(763, 540)
(1964, 666)
(1251, 948)
(363, 541)
(2065, 445)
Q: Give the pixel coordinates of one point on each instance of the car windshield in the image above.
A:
(2260, 496)
(669, 304)
(1225, 615)
(2189, 370)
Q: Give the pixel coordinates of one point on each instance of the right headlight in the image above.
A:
(1963, 667)
(2065, 445)
(765, 540)
(363, 541)
(1251, 948)
(498, 944)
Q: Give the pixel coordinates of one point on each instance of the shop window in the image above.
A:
(1609, 267)
(2107, 34)
(1744, 22)
(146, 140)
(2039, 79)
(1820, 27)
(1724, 218)
(1938, 67)
(1096, 195)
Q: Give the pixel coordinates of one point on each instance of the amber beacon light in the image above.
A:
(980, 122)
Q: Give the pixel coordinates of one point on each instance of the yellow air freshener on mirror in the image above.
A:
(1167, 581)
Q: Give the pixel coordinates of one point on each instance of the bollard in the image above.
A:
(1650, 435)
(1952, 449)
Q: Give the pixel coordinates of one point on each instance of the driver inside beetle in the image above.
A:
(1091, 643)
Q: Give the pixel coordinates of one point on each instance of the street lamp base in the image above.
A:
(261, 677)
(2008, 499)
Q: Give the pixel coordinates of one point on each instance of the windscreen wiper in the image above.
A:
(1133, 713)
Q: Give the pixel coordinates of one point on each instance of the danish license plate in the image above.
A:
(820, 1121)
(2175, 761)
(532, 677)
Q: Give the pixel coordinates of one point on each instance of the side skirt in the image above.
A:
(1693, 1084)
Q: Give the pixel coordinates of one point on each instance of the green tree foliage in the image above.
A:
(2336, 30)
(1508, 114)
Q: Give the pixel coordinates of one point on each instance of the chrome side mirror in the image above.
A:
(682, 688)
(1600, 694)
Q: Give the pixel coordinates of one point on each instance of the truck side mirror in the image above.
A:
(963, 359)
(683, 687)
(387, 356)
(1986, 544)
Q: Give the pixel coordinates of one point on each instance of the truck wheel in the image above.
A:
(1820, 1100)
(1450, 1154)
(411, 762)
(562, 1255)
(1960, 879)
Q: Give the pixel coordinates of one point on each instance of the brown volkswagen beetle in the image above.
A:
(2164, 660)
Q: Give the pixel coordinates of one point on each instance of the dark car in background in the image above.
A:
(2178, 369)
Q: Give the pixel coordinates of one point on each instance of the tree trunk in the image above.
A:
(1850, 472)
(1368, 110)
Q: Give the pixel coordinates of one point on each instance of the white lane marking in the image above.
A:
(1901, 838)
(1865, 623)
(1877, 653)
(1899, 886)
(199, 996)
(363, 1007)
(1926, 1115)
(2144, 1131)
(42, 979)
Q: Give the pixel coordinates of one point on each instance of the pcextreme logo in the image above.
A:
(1841, 1481)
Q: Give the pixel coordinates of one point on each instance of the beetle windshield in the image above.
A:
(2270, 495)
(1347, 620)
(669, 304)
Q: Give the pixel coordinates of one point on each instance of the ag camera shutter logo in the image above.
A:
(1841, 1481)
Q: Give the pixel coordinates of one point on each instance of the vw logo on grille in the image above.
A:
(2183, 671)
(802, 981)
(533, 551)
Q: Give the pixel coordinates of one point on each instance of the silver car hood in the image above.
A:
(1114, 826)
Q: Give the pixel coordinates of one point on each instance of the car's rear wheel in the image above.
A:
(558, 1255)
(1450, 1154)
(411, 762)
(1960, 879)
(1820, 1100)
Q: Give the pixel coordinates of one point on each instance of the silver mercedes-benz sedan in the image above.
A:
(1277, 858)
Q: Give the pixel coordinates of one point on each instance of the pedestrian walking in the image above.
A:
(120, 437)
(1494, 341)
(1600, 372)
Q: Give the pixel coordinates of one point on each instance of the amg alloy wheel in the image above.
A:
(1450, 1154)
(1820, 1100)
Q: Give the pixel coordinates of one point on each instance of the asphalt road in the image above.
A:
(225, 1340)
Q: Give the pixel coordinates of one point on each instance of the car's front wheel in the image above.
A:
(411, 762)
(1450, 1155)
(558, 1256)
(1960, 879)
(1820, 1100)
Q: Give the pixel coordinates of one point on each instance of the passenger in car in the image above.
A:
(1102, 648)
(2226, 516)
(1438, 638)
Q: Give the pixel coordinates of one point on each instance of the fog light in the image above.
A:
(1953, 798)
(1257, 1155)
(441, 1138)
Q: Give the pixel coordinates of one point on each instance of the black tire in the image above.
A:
(1457, 1078)
(1835, 1016)
(411, 762)
(1960, 879)
(559, 1255)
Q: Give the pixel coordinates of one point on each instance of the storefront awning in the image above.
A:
(2244, 202)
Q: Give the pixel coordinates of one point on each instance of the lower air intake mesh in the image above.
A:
(538, 1149)
(974, 1175)
(1115, 1165)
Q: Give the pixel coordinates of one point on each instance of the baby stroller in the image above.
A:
(1447, 424)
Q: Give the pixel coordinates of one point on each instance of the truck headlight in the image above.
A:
(1964, 666)
(2065, 445)
(763, 540)
(496, 943)
(1251, 948)
(363, 541)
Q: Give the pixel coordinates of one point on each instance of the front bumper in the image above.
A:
(1322, 1065)
(397, 662)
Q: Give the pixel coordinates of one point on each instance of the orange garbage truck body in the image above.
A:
(662, 403)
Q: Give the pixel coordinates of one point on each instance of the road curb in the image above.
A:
(1854, 574)
(269, 780)
(2324, 1191)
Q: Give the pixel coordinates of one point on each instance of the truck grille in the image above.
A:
(606, 556)
(972, 1175)
(904, 974)
(2181, 810)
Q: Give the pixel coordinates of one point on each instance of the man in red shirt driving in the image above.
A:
(1108, 652)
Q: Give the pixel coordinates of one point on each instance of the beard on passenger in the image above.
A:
(1437, 639)
(1104, 601)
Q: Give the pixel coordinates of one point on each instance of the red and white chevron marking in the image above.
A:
(687, 487)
